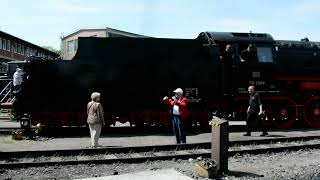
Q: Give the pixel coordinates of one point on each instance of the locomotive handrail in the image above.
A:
(209, 38)
(3, 90)
(5, 96)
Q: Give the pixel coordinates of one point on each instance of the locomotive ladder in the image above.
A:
(6, 101)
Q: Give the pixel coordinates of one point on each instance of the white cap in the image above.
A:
(178, 90)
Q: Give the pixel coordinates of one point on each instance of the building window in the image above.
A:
(22, 50)
(19, 48)
(75, 44)
(4, 44)
(8, 45)
(0, 42)
(15, 47)
(72, 46)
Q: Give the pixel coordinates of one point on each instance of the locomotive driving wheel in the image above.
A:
(312, 112)
(283, 112)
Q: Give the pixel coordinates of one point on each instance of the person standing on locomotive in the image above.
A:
(228, 59)
(254, 111)
(95, 118)
(248, 55)
(247, 58)
(180, 113)
(18, 78)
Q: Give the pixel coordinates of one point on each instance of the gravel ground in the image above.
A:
(274, 145)
(304, 164)
(151, 153)
(121, 140)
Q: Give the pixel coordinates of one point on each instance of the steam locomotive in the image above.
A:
(134, 74)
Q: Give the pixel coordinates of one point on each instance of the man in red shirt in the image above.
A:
(179, 114)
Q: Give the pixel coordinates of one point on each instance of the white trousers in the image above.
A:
(95, 130)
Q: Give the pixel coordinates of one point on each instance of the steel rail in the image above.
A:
(160, 157)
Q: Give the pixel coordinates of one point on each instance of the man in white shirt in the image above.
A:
(18, 79)
(180, 113)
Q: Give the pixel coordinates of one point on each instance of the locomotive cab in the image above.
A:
(8, 90)
(244, 73)
(258, 69)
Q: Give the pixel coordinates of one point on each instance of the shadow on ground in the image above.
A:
(240, 174)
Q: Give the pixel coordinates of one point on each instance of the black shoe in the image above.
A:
(264, 134)
(247, 134)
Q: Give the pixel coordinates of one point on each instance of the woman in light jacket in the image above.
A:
(95, 118)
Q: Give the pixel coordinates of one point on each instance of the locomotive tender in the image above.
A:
(134, 74)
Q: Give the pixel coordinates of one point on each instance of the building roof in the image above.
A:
(125, 33)
(81, 30)
(31, 44)
(107, 30)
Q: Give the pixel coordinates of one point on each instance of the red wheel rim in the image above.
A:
(282, 112)
(311, 112)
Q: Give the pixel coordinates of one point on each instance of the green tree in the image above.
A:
(50, 48)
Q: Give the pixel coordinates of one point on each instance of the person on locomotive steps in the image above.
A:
(179, 112)
(227, 59)
(95, 118)
(254, 111)
(18, 78)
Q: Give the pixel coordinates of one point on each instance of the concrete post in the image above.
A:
(220, 144)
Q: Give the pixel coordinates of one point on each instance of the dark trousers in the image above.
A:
(255, 117)
(16, 89)
(178, 129)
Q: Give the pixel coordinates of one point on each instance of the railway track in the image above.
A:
(21, 159)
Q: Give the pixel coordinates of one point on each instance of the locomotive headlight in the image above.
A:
(39, 126)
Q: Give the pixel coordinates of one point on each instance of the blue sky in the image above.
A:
(43, 22)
